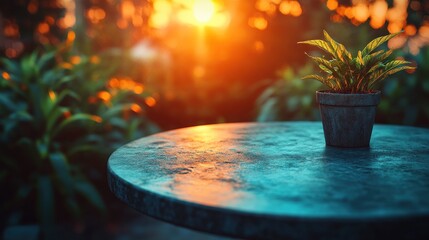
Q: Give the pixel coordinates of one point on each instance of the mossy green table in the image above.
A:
(279, 180)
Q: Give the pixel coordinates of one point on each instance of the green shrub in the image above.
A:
(36, 169)
(289, 98)
(406, 96)
(59, 122)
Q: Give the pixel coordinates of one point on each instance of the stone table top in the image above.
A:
(278, 180)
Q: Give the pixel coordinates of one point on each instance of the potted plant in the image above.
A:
(348, 107)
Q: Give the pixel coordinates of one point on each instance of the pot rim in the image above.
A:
(329, 92)
(324, 97)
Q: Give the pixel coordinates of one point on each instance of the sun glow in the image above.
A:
(203, 11)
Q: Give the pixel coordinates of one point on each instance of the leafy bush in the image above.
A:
(35, 163)
(289, 98)
(59, 121)
(406, 96)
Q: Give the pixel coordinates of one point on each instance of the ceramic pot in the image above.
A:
(347, 118)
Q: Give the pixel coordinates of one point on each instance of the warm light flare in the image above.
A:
(424, 31)
(203, 10)
(127, 9)
(52, 95)
(5, 76)
(410, 30)
(394, 27)
(95, 15)
(105, 96)
(159, 20)
(332, 4)
(32, 7)
(94, 59)
(66, 65)
(378, 12)
(198, 183)
(285, 7)
(258, 46)
(259, 23)
(361, 12)
(296, 9)
(199, 72)
(195, 12)
(292, 8)
(150, 101)
(136, 108)
(43, 28)
(397, 42)
(138, 89)
(96, 118)
(71, 36)
(75, 60)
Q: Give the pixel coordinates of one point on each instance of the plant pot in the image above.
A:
(347, 118)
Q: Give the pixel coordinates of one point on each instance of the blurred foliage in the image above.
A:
(36, 167)
(290, 97)
(57, 128)
(405, 97)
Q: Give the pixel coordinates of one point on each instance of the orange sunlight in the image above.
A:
(203, 11)
(200, 183)
(196, 12)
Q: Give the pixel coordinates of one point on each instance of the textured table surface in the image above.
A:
(277, 180)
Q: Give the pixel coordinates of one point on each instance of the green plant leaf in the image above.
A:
(54, 117)
(375, 61)
(67, 92)
(360, 59)
(82, 148)
(320, 44)
(74, 118)
(66, 182)
(62, 171)
(35, 99)
(132, 129)
(28, 67)
(389, 72)
(49, 77)
(375, 67)
(320, 79)
(314, 76)
(9, 65)
(114, 111)
(398, 69)
(323, 64)
(51, 108)
(62, 80)
(42, 148)
(73, 207)
(45, 59)
(338, 48)
(90, 193)
(376, 57)
(45, 205)
(371, 46)
(21, 115)
(395, 63)
(6, 102)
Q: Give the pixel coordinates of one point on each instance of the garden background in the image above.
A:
(78, 79)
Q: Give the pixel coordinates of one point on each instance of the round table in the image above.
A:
(279, 180)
